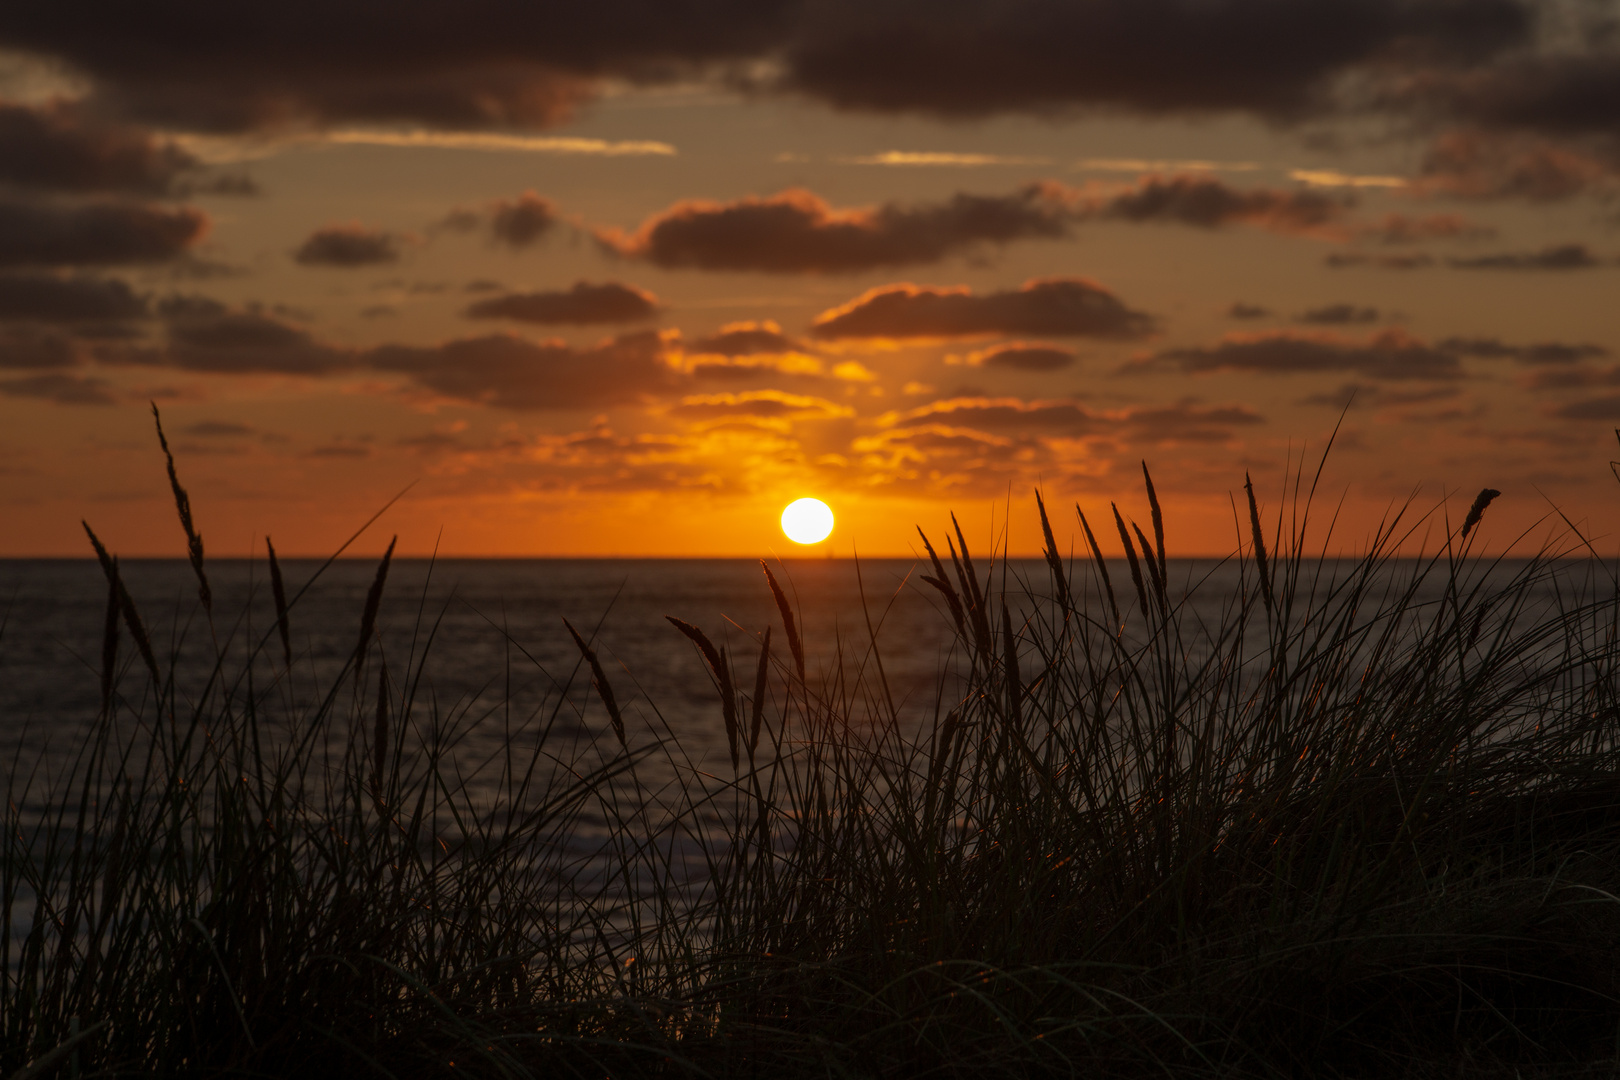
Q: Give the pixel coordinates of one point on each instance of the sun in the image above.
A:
(807, 521)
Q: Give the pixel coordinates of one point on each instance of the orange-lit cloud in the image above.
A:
(797, 232)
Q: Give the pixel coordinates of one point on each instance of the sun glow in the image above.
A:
(807, 521)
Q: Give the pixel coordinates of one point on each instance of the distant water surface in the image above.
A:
(493, 636)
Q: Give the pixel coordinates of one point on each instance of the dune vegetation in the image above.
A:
(1365, 824)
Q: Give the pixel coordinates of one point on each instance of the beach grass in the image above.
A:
(1366, 823)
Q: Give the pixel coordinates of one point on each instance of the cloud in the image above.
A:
(515, 373)
(1154, 56)
(1544, 352)
(347, 247)
(1406, 229)
(908, 158)
(204, 335)
(57, 147)
(757, 404)
(501, 143)
(1335, 178)
(584, 304)
(33, 348)
(522, 221)
(95, 234)
(1013, 417)
(61, 389)
(491, 66)
(1240, 310)
(1208, 203)
(1338, 315)
(1058, 307)
(1606, 408)
(1379, 396)
(218, 429)
(66, 300)
(797, 232)
(1493, 165)
(518, 223)
(1553, 91)
(1021, 356)
(1342, 260)
(1571, 378)
(745, 339)
(1556, 257)
(1391, 355)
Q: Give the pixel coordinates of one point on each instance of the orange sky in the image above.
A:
(590, 305)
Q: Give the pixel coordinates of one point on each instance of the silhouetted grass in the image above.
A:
(1367, 823)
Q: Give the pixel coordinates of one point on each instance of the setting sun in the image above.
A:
(807, 521)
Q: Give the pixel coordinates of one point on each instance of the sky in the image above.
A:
(625, 279)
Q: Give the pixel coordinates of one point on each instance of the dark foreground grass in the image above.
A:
(1366, 824)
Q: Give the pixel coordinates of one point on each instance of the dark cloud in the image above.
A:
(28, 347)
(234, 185)
(56, 147)
(495, 64)
(49, 299)
(1240, 310)
(1544, 352)
(1557, 257)
(1606, 408)
(1266, 56)
(95, 234)
(1206, 202)
(1391, 355)
(1024, 357)
(1568, 92)
(203, 335)
(584, 304)
(1342, 260)
(1338, 315)
(1379, 396)
(797, 232)
(485, 63)
(514, 373)
(745, 339)
(60, 388)
(218, 429)
(348, 247)
(1570, 377)
(1057, 307)
(522, 221)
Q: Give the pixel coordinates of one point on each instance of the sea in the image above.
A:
(478, 639)
(482, 642)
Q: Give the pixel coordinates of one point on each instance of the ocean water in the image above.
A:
(486, 637)
(484, 640)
